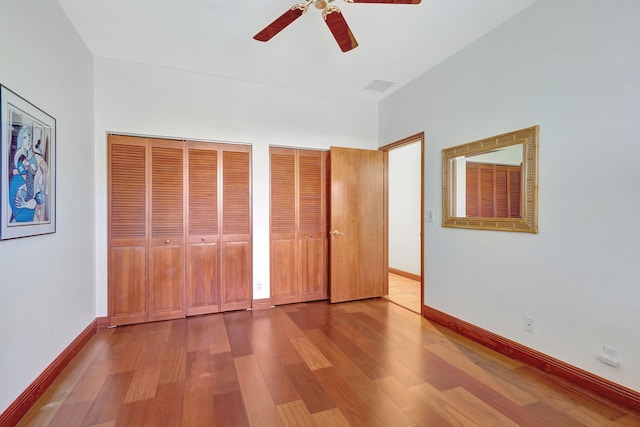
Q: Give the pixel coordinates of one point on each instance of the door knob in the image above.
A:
(337, 233)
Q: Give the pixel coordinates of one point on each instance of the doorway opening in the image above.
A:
(404, 203)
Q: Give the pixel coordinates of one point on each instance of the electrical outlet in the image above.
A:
(259, 286)
(528, 324)
(610, 356)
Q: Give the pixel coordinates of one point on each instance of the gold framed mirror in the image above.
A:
(492, 184)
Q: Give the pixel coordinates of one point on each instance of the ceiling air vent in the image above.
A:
(379, 85)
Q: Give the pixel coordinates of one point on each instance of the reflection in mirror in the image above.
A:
(492, 183)
(489, 184)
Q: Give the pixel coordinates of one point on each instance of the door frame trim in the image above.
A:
(418, 137)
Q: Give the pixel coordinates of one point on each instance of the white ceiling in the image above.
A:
(396, 42)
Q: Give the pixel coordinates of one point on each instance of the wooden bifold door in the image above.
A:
(179, 228)
(298, 225)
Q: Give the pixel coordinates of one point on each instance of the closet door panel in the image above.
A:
(128, 230)
(235, 242)
(313, 277)
(311, 226)
(283, 282)
(236, 275)
(203, 279)
(166, 282)
(167, 253)
(203, 260)
(127, 282)
(283, 277)
(167, 190)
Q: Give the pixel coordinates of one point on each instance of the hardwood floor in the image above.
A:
(404, 292)
(365, 363)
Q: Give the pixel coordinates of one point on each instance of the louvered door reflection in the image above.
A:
(203, 273)
(167, 248)
(298, 225)
(127, 230)
(493, 190)
(235, 241)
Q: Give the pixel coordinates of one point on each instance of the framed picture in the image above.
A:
(27, 169)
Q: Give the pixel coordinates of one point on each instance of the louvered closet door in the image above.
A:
(127, 230)
(203, 276)
(298, 225)
(283, 277)
(235, 241)
(167, 244)
(312, 236)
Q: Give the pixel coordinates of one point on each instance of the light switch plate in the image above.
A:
(428, 215)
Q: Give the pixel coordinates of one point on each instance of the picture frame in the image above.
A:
(27, 168)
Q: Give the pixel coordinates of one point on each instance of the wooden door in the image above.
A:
(235, 240)
(203, 267)
(312, 226)
(167, 243)
(357, 224)
(283, 271)
(298, 232)
(128, 230)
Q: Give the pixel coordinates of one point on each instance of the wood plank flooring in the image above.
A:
(404, 292)
(365, 363)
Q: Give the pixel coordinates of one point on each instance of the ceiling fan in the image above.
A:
(332, 16)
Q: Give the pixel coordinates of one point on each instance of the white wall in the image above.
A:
(141, 99)
(404, 208)
(47, 289)
(572, 67)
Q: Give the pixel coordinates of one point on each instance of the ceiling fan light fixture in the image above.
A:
(331, 15)
(320, 4)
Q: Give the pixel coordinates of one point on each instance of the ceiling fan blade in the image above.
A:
(385, 1)
(339, 28)
(281, 22)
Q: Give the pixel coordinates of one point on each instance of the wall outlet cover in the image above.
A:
(610, 356)
(528, 324)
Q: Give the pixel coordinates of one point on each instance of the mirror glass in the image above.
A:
(492, 183)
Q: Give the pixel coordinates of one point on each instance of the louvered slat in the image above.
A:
(203, 192)
(235, 184)
(310, 197)
(283, 190)
(167, 215)
(128, 216)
